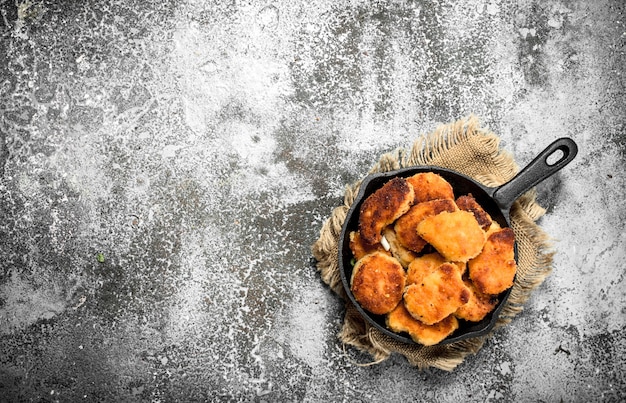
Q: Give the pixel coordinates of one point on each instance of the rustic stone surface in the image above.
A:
(166, 166)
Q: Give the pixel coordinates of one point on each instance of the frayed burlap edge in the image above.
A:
(467, 148)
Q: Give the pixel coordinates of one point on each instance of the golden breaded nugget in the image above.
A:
(462, 267)
(377, 282)
(430, 186)
(383, 207)
(398, 251)
(422, 266)
(468, 203)
(492, 228)
(399, 320)
(406, 226)
(456, 235)
(361, 248)
(494, 269)
(478, 306)
(438, 295)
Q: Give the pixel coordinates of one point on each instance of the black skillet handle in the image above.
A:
(535, 172)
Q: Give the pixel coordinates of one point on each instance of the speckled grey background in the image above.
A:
(165, 167)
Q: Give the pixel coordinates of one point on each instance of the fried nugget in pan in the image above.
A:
(399, 320)
(383, 207)
(422, 266)
(468, 203)
(437, 296)
(404, 256)
(492, 228)
(406, 225)
(478, 306)
(462, 267)
(493, 270)
(361, 248)
(430, 186)
(456, 235)
(377, 282)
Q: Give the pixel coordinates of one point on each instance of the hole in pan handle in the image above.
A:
(538, 170)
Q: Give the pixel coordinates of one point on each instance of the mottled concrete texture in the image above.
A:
(165, 167)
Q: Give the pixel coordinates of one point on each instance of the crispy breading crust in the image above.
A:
(422, 266)
(377, 282)
(493, 270)
(406, 225)
(399, 320)
(404, 256)
(430, 186)
(383, 207)
(456, 235)
(468, 203)
(361, 248)
(478, 306)
(492, 228)
(438, 295)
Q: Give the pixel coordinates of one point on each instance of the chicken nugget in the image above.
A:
(468, 203)
(399, 320)
(438, 295)
(456, 235)
(377, 282)
(492, 228)
(478, 306)
(430, 186)
(361, 248)
(493, 270)
(404, 256)
(422, 266)
(383, 207)
(406, 226)
(462, 267)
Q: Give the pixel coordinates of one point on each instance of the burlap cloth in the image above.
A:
(467, 148)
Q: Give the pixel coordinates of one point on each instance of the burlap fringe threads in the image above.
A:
(467, 148)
